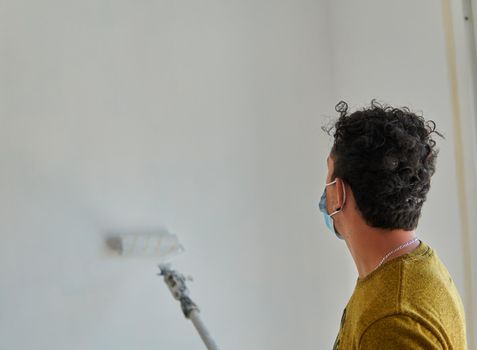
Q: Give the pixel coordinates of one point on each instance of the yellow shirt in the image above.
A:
(409, 302)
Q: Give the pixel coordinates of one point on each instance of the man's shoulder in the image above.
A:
(412, 278)
(410, 283)
(399, 331)
(416, 288)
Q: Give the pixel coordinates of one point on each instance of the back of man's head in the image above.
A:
(387, 156)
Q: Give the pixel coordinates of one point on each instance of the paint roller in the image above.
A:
(163, 246)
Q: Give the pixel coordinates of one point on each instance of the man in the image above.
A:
(379, 173)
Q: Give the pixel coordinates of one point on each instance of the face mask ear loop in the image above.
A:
(344, 199)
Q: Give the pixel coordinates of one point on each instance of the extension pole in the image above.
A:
(203, 332)
(178, 288)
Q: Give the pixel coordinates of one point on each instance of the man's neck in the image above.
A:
(370, 247)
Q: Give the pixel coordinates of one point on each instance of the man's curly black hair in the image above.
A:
(387, 156)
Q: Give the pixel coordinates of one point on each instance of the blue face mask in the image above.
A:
(329, 217)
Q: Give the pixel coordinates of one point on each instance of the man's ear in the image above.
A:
(340, 198)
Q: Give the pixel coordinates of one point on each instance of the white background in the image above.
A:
(203, 117)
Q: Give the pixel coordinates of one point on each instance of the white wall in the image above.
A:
(200, 116)
(464, 45)
(204, 118)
